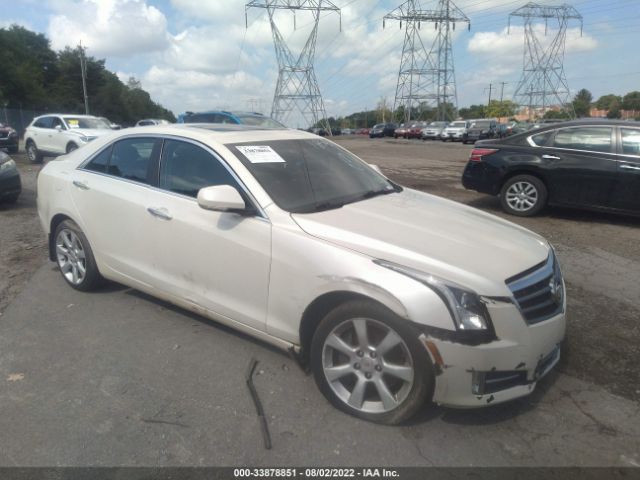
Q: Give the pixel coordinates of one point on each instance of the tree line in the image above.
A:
(35, 77)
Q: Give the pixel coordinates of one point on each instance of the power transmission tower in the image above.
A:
(297, 86)
(543, 81)
(427, 77)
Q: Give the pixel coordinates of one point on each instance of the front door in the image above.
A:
(217, 260)
(627, 191)
(582, 165)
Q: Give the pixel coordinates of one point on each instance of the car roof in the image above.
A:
(66, 115)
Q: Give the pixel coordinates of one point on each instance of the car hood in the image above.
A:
(433, 235)
(91, 132)
(454, 129)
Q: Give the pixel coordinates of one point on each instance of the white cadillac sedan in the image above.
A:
(391, 296)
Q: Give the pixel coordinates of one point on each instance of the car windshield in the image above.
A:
(86, 122)
(481, 124)
(259, 121)
(438, 124)
(311, 175)
(458, 125)
(380, 125)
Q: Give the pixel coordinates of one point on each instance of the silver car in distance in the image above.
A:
(393, 297)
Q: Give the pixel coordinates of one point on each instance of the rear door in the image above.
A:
(581, 165)
(111, 194)
(627, 191)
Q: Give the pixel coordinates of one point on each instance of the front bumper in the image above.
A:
(502, 370)
(8, 142)
(452, 135)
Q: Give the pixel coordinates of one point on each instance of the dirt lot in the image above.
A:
(600, 255)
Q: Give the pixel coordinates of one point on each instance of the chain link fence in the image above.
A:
(19, 118)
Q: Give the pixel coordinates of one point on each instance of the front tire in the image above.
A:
(33, 154)
(369, 363)
(71, 147)
(523, 195)
(75, 258)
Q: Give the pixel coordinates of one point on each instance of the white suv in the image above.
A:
(58, 134)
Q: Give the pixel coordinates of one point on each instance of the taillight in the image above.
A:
(478, 153)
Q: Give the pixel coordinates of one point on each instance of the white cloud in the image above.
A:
(108, 27)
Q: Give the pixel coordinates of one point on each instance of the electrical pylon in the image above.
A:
(543, 81)
(427, 77)
(297, 86)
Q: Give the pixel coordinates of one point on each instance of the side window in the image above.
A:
(56, 122)
(186, 168)
(595, 139)
(44, 122)
(100, 161)
(131, 158)
(630, 141)
(542, 139)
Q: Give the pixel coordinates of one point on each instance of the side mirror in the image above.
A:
(59, 128)
(221, 198)
(376, 168)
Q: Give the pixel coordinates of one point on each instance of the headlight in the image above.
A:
(6, 165)
(84, 138)
(467, 309)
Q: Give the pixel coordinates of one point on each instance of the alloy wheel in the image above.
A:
(71, 256)
(522, 196)
(32, 153)
(367, 365)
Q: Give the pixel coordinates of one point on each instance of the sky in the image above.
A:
(196, 55)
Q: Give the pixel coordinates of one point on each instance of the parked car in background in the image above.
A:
(223, 116)
(363, 131)
(543, 122)
(114, 126)
(502, 130)
(10, 185)
(347, 131)
(383, 130)
(57, 134)
(415, 130)
(400, 131)
(146, 122)
(454, 131)
(520, 127)
(433, 130)
(588, 164)
(393, 297)
(8, 138)
(480, 129)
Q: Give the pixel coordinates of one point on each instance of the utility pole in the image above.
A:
(490, 88)
(427, 75)
(297, 86)
(502, 90)
(543, 80)
(83, 71)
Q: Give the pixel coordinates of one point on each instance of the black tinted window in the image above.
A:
(186, 168)
(208, 118)
(596, 139)
(131, 158)
(43, 122)
(100, 161)
(542, 139)
(630, 141)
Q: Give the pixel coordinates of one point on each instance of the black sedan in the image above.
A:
(592, 164)
(10, 185)
(8, 138)
(383, 130)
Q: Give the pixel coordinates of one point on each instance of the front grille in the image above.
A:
(538, 291)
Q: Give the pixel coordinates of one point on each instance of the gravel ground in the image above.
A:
(600, 255)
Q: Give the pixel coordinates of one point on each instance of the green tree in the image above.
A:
(497, 108)
(582, 103)
(631, 101)
(608, 102)
(474, 111)
(557, 114)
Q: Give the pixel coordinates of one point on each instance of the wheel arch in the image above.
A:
(319, 308)
(55, 221)
(69, 143)
(523, 171)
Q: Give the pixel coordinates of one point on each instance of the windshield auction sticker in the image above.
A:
(260, 154)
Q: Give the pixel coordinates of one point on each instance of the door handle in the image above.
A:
(160, 213)
(550, 157)
(629, 167)
(81, 185)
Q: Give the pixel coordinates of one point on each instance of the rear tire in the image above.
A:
(523, 195)
(369, 363)
(75, 258)
(12, 199)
